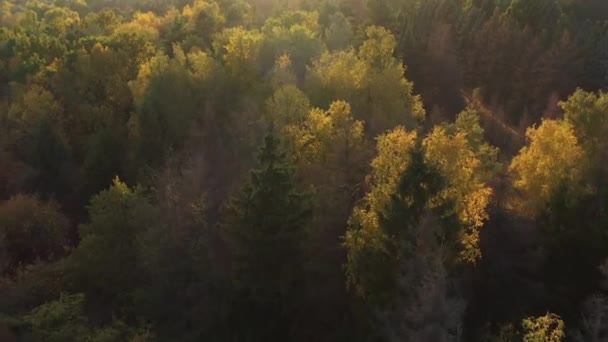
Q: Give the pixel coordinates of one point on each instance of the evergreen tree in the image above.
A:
(266, 224)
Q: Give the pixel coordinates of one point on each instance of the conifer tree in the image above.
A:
(266, 224)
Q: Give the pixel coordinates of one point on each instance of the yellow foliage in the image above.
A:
(326, 133)
(372, 80)
(340, 71)
(365, 241)
(552, 158)
(287, 107)
(241, 50)
(378, 49)
(147, 24)
(147, 70)
(462, 167)
(119, 187)
(33, 105)
(393, 154)
(202, 64)
(391, 162)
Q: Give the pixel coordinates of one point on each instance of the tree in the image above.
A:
(240, 50)
(167, 110)
(60, 20)
(339, 34)
(292, 33)
(371, 80)
(185, 286)
(282, 73)
(468, 164)
(549, 328)
(31, 231)
(32, 105)
(588, 114)
(146, 25)
(104, 266)
(335, 76)
(381, 12)
(406, 276)
(204, 19)
(100, 23)
(288, 106)
(237, 12)
(64, 320)
(367, 257)
(391, 97)
(539, 14)
(105, 158)
(552, 158)
(331, 154)
(266, 224)
(49, 159)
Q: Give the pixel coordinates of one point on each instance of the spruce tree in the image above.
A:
(266, 224)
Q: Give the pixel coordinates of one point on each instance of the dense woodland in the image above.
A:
(304, 170)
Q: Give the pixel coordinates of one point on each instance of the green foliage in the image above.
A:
(505, 333)
(539, 13)
(339, 34)
(588, 114)
(105, 155)
(61, 320)
(161, 125)
(31, 286)
(104, 265)
(48, 157)
(172, 95)
(266, 223)
(177, 260)
(204, 19)
(30, 231)
(288, 106)
(64, 320)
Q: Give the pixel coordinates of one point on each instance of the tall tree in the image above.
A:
(409, 275)
(104, 266)
(266, 224)
(468, 164)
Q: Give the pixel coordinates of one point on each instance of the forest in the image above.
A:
(304, 170)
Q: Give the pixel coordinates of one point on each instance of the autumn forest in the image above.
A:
(304, 170)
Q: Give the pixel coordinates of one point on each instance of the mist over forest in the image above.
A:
(304, 170)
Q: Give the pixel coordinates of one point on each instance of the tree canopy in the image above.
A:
(303, 170)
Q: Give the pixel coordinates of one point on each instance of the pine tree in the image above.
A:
(266, 226)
